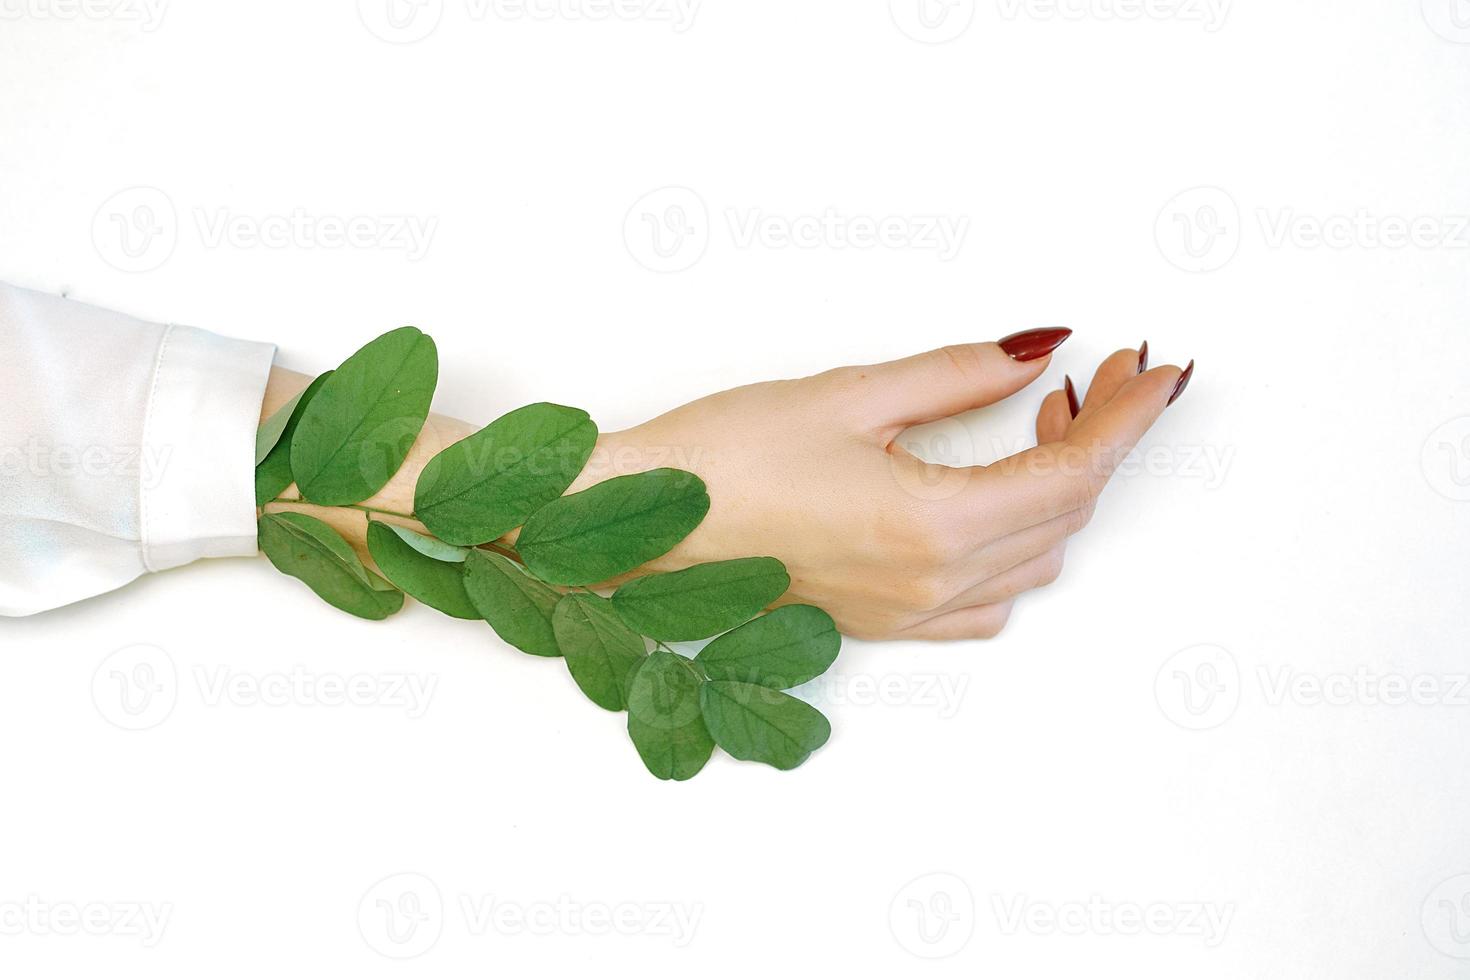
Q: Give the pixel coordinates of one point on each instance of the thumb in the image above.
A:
(954, 379)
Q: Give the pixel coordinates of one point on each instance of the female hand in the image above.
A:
(809, 471)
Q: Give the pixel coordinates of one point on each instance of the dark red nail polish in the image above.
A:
(1028, 345)
(1072, 405)
(1143, 358)
(1181, 384)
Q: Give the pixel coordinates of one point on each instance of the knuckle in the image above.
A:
(963, 359)
(924, 593)
(1051, 567)
(1076, 520)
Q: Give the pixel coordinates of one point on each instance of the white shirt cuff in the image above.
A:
(198, 501)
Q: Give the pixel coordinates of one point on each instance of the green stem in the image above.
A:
(370, 511)
(362, 507)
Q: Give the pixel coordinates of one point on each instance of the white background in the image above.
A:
(1144, 740)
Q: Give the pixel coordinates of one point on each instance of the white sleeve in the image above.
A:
(125, 447)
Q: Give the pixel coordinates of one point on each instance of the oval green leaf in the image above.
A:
(356, 432)
(703, 600)
(784, 648)
(489, 483)
(612, 527)
(757, 724)
(664, 719)
(429, 547)
(601, 653)
(273, 469)
(310, 550)
(435, 583)
(515, 604)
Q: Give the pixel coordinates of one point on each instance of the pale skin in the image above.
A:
(808, 471)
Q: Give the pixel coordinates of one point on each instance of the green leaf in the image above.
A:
(427, 546)
(600, 651)
(273, 471)
(703, 600)
(612, 527)
(781, 649)
(309, 549)
(435, 583)
(489, 483)
(664, 719)
(518, 606)
(356, 432)
(758, 724)
(270, 430)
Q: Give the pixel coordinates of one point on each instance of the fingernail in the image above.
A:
(1071, 395)
(1181, 384)
(1028, 345)
(1143, 358)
